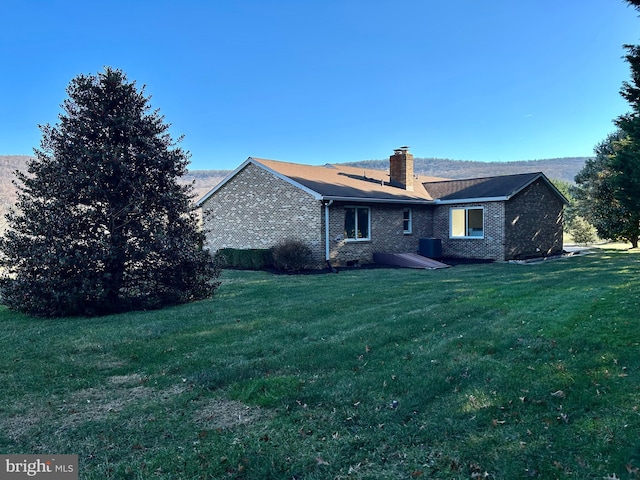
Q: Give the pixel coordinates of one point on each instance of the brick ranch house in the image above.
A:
(346, 214)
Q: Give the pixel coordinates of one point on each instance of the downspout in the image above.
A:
(327, 251)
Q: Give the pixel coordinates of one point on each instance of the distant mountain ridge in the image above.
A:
(204, 180)
(554, 168)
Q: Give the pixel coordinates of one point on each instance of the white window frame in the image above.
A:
(409, 220)
(358, 239)
(466, 222)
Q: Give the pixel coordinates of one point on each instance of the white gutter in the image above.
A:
(327, 252)
(331, 198)
(471, 200)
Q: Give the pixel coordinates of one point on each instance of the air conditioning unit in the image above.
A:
(430, 247)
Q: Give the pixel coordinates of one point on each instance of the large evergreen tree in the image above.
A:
(609, 186)
(595, 194)
(101, 223)
(624, 164)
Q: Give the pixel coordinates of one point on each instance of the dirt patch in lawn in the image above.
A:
(227, 414)
(65, 413)
(89, 404)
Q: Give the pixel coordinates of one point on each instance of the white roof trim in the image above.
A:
(253, 161)
(472, 200)
(378, 200)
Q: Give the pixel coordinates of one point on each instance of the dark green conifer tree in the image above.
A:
(102, 223)
(625, 163)
(595, 194)
(608, 192)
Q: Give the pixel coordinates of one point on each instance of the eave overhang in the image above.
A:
(404, 201)
(471, 200)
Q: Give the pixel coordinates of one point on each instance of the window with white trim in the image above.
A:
(357, 223)
(407, 221)
(467, 222)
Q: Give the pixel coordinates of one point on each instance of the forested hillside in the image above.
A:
(555, 168)
(203, 180)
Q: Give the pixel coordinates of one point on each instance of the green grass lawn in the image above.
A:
(478, 371)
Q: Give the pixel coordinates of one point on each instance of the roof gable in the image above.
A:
(259, 164)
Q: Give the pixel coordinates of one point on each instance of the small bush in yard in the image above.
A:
(291, 255)
(583, 232)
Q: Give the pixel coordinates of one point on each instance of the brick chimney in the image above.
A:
(401, 168)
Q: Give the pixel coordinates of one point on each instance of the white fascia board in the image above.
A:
(377, 200)
(472, 200)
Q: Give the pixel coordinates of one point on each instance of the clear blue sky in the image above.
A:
(317, 81)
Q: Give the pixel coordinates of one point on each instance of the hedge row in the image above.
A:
(289, 255)
(245, 259)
